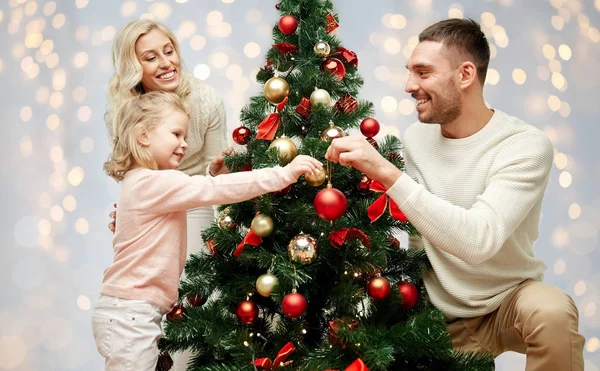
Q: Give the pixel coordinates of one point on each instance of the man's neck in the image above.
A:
(473, 118)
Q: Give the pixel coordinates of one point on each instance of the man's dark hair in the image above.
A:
(465, 37)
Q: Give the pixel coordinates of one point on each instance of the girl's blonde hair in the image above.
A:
(126, 82)
(133, 118)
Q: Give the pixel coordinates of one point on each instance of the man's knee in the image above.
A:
(555, 308)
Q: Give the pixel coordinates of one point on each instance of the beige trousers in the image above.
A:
(536, 319)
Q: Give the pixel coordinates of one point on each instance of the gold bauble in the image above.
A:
(286, 149)
(322, 49)
(320, 96)
(332, 132)
(316, 180)
(265, 284)
(262, 225)
(225, 221)
(303, 249)
(276, 89)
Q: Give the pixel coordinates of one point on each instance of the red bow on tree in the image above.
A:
(378, 207)
(266, 364)
(269, 126)
(357, 365)
(251, 239)
(285, 48)
(348, 56)
(339, 237)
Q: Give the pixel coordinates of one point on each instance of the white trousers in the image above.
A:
(197, 220)
(127, 333)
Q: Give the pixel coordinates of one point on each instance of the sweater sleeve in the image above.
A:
(215, 138)
(474, 235)
(166, 191)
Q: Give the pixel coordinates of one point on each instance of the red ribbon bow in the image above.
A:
(269, 126)
(266, 364)
(357, 365)
(251, 239)
(339, 237)
(348, 56)
(285, 48)
(378, 207)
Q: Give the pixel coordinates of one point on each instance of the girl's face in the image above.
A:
(159, 60)
(167, 142)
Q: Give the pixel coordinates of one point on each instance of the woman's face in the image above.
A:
(159, 60)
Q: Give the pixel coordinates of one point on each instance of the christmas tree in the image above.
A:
(310, 277)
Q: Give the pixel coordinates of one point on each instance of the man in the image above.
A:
(481, 179)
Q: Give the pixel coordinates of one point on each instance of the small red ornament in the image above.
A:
(394, 242)
(333, 330)
(285, 48)
(288, 24)
(335, 67)
(196, 300)
(346, 104)
(369, 127)
(247, 167)
(378, 288)
(211, 245)
(330, 23)
(247, 312)
(330, 204)
(283, 191)
(241, 135)
(373, 142)
(293, 305)
(277, 6)
(409, 294)
(348, 56)
(178, 312)
(303, 107)
(364, 186)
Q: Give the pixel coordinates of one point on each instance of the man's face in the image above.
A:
(432, 82)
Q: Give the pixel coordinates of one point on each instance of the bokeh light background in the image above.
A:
(55, 63)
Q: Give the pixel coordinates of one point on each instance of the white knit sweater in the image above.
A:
(477, 207)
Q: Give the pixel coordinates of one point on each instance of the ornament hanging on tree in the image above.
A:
(288, 24)
(303, 249)
(225, 221)
(335, 67)
(265, 284)
(178, 312)
(262, 225)
(196, 300)
(241, 135)
(369, 127)
(303, 107)
(346, 104)
(283, 192)
(378, 288)
(211, 245)
(320, 97)
(322, 49)
(373, 142)
(335, 326)
(332, 132)
(316, 180)
(409, 294)
(330, 204)
(293, 304)
(330, 23)
(276, 90)
(247, 312)
(364, 186)
(286, 150)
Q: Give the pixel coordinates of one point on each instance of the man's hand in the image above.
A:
(112, 226)
(360, 154)
(217, 166)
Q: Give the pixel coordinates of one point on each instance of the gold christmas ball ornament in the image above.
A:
(303, 249)
(316, 180)
(320, 97)
(276, 89)
(225, 221)
(332, 132)
(322, 49)
(286, 150)
(265, 284)
(262, 225)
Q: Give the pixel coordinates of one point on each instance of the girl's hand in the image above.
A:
(113, 215)
(217, 166)
(304, 164)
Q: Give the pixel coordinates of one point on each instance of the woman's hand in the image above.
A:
(304, 164)
(217, 166)
(113, 223)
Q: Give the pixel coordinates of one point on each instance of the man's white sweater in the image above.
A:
(476, 204)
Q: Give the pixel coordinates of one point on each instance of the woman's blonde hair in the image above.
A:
(126, 82)
(134, 117)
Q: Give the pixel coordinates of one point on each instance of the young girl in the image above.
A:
(141, 284)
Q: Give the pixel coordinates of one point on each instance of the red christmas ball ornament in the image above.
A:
(378, 288)
(335, 67)
(241, 135)
(409, 294)
(247, 312)
(364, 186)
(288, 24)
(293, 305)
(373, 142)
(277, 6)
(330, 204)
(196, 300)
(178, 312)
(369, 127)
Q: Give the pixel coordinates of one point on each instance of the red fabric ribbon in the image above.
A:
(339, 237)
(251, 239)
(266, 364)
(269, 126)
(378, 207)
(347, 104)
(357, 365)
(285, 48)
(348, 56)
(303, 107)
(330, 23)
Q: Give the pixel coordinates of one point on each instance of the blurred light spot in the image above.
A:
(234, 72)
(128, 8)
(589, 310)
(56, 154)
(53, 122)
(79, 94)
(181, 1)
(252, 50)
(86, 145)
(519, 76)
(57, 181)
(13, 352)
(214, 18)
(30, 8)
(197, 42)
(500, 37)
(46, 242)
(565, 14)
(492, 77)
(59, 79)
(555, 66)
(560, 267)
(58, 21)
(160, 10)
(560, 237)
(558, 80)
(23, 230)
(84, 113)
(82, 33)
(33, 40)
(49, 8)
(488, 19)
(219, 60)
(253, 16)
(565, 109)
(52, 60)
(202, 71)
(44, 227)
(75, 176)
(62, 254)
(26, 113)
(45, 200)
(389, 104)
(81, 3)
(594, 34)
(584, 236)
(565, 52)
(382, 73)
(56, 334)
(26, 64)
(554, 103)
(392, 45)
(385, 20)
(560, 160)
(108, 33)
(398, 21)
(593, 344)
(493, 51)
(26, 146)
(406, 106)
(556, 3)
(69, 203)
(423, 5)
(46, 47)
(33, 71)
(147, 16)
(565, 179)
(557, 22)
(56, 99)
(375, 38)
(228, 1)
(82, 226)
(57, 213)
(80, 60)
(83, 302)
(241, 85)
(583, 21)
(35, 26)
(580, 288)
(187, 29)
(456, 11)
(548, 51)
(1, 64)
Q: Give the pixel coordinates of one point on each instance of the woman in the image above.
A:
(146, 57)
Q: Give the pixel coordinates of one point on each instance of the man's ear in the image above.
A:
(143, 139)
(467, 73)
